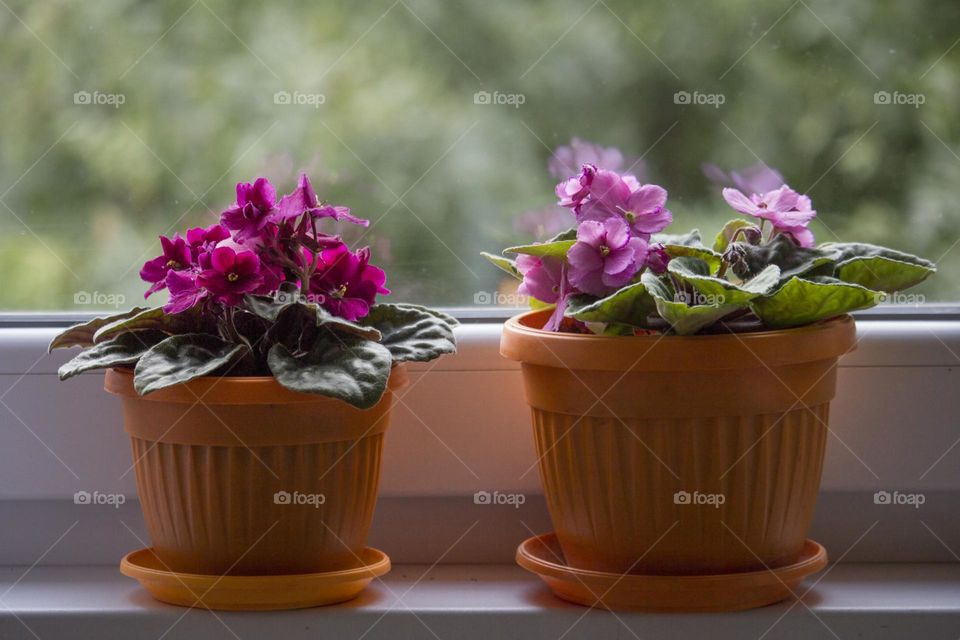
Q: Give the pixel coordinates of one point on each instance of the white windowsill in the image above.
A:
(483, 602)
(896, 428)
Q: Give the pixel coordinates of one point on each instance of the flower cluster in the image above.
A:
(259, 244)
(616, 216)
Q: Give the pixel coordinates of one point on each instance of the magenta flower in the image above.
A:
(184, 292)
(542, 277)
(228, 274)
(783, 207)
(252, 211)
(176, 257)
(605, 257)
(204, 239)
(346, 284)
(304, 199)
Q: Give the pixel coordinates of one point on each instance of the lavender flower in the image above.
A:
(604, 257)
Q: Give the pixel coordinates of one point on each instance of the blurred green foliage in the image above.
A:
(86, 188)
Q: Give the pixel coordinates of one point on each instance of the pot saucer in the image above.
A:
(665, 593)
(252, 593)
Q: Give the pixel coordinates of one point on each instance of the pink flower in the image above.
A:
(783, 207)
(228, 274)
(800, 233)
(599, 194)
(641, 206)
(572, 191)
(345, 283)
(542, 277)
(252, 211)
(176, 257)
(605, 257)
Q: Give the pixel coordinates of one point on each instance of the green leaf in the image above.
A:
(569, 234)
(184, 357)
(412, 333)
(846, 250)
(556, 249)
(691, 239)
(683, 319)
(689, 246)
(81, 335)
(719, 290)
(883, 274)
(723, 239)
(801, 301)
(353, 370)
(879, 268)
(792, 259)
(629, 306)
(189, 321)
(342, 325)
(288, 310)
(504, 264)
(122, 350)
(450, 320)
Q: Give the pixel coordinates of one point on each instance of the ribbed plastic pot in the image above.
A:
(241, 476)
(680, 455)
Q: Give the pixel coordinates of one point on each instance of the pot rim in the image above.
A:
(524, 340)
(230, 389)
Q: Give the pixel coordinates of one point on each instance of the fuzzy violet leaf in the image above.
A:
(347, 368)
(685, 319)
(411, 332)
(556, 249)
(504, 264)
(733, 228)
(289, 304)
(803, 301)
(878, 268)
(630, 305)
(82, 335)
(188, 321)
(688, 245)
(792, 259)
(695, 272)
(184, 357)
(691, 239)
(125, 349)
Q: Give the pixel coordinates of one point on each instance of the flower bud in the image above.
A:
(752, 235)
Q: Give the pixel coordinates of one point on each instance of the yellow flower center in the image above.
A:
(232, 277)
(604, 250)
(340, 292)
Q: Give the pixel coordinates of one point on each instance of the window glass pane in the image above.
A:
(436, 119)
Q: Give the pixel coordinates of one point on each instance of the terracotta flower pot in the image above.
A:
(241, 476)
(680, 455)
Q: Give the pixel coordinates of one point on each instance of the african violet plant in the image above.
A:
(616, 272)
(264, 293)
